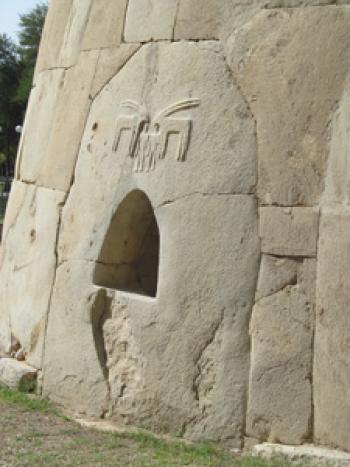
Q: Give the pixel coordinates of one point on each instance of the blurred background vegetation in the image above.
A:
(17, 63)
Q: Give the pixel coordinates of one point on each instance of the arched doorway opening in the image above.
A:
(129, 257)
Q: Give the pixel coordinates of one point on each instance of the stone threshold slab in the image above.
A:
(314, 455)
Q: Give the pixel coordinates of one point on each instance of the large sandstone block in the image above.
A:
(17, 375)
(180, 70)
(289, 231)
(74, 351)
(110, 61)
(53, 34)
(292, 66)
(150, 20)
(195, 306)
(280, 387)
(332, 351)
(28, 262)
(105, 24)
(56, 117)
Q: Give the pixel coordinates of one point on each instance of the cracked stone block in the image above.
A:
(105, 24)
(54, 124)
(292, 108)
(289, 231)
(17, 375)
(332, 351)
(275, 274)
(111, 60)
(280, 386)
(182, 69)
(150, 20)
(196, 306)
(53, 35)
(27, 266)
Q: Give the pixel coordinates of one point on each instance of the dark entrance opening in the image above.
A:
(129, 257)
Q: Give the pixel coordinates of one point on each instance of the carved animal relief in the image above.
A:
(149, 137)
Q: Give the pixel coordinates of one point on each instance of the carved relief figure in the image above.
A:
(149, 137)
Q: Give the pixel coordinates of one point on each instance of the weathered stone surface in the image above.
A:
(150, 19)
(301, 58)
(195, 305)
(38, 124)
(105, 24)
(289, 231)
(52, 138)
(110, 61)
(27, 266)
(231, 149)
(337, 180)
(275, 274)
(312, 455)
(195, 21)
(16, 375)
(331, 370)
(158, 134)
(53, 35)
(280, 404)
(72, 367)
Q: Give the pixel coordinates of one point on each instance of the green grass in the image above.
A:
(11, 396)
(50, 440)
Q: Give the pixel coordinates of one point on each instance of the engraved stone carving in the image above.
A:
(149, 138)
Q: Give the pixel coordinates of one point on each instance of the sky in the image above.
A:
(9, 14)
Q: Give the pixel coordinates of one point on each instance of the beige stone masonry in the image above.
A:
(280, 387)
(28, 263)
(105, 24)
(16, 375)
(289, 231)
(52, 139)
(332, 351)
(292, 65)
(143, 21)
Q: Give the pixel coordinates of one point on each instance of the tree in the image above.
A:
(31, 25)
(10, 111)
(17, 65)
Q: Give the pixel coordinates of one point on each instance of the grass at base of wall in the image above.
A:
(34, 433)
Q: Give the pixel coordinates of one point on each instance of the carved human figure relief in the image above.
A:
(149, 137)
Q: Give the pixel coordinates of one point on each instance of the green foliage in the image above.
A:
(31, 25)
(17, 63)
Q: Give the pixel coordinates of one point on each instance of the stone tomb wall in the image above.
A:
(175, 249)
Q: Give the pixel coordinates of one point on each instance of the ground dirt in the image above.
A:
(34, 433)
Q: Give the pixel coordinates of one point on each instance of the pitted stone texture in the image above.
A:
(16, 375)
(56, 118)
(292, 65)
(332, 368)
(280, 405)
(289, 231)
(74, 353)
(223, 163)
(150, 19)
(28, 264)
(196, 306)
